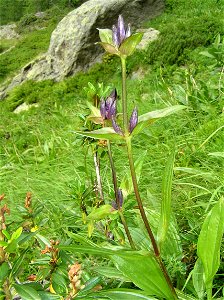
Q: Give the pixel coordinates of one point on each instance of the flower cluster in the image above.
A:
(119, 33)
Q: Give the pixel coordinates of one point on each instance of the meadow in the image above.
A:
(57, 221)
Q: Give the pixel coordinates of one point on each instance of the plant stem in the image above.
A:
(114, 176)
(144, 218)
(98, 177)
(124, 96)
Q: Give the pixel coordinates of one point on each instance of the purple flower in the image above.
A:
(120, 199)
(116, 127)
(120, 33)
(133, 120)
(108, 106)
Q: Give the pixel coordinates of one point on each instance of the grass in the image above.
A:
(40, 153)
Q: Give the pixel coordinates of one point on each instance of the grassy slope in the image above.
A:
(40, 153)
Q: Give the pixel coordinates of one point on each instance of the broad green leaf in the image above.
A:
(26, 292)
(129, 45)
(126, 183)
(59, 283)
(12, 246)
(106, 133)
(109, 48)
(197, 277)
(6, 234)
(110, 272)
(3, 244)
(100, 213)
(165, 214)
(150, 117)
(49, 296)
(17, 233)
(90, 284)
(182, 296)
(4, 271)
(144, 272)
(42, 240)
(105, 35)
(94, 250)
(209, 241)
(125, 294)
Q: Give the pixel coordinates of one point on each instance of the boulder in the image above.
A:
(8, 32)
(72, 45)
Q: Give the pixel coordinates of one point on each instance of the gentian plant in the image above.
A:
(119, 41)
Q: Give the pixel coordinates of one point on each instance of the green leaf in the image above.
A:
(197, 278)
(18, 263)
(17, 233)
(125, 294)
(100, 213)
(109, 48)
(129, 45)
(49, 296)
(95, 115)
(26, 292)
(166, 199)
(110, 272)
(150, 117)
(94, 250)
(4, 271)
(6, 234)
(126, 183)
(3, 244)
(144, 272)
(90, 284)
(59, 283)
(106, 133)
(209, 241)
(105, 35)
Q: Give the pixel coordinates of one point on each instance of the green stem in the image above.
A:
(124, 96)
(114, 176)
(144, 218)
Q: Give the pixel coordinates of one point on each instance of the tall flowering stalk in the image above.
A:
(120, 42)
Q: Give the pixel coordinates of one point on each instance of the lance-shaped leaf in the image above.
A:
(209, 242)
(106, 133)
(100, 213)
(122, 294)
(166, 199)
(150, 117)
(129, 45)
(144, 272)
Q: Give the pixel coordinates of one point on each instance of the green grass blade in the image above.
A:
(166, 199)
(209, 243)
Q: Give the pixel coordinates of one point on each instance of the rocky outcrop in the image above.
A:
(8, 32)
(72, 45)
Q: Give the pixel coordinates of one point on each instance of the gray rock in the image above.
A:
(72, 45)
(8, 32)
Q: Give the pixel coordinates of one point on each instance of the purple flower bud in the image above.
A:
(108, 106)
(120, 197)
(116, 127)
(115, 37)
(133, 120)
(121, 29)
(119, 33)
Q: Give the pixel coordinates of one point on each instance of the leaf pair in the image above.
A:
(108, 133)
